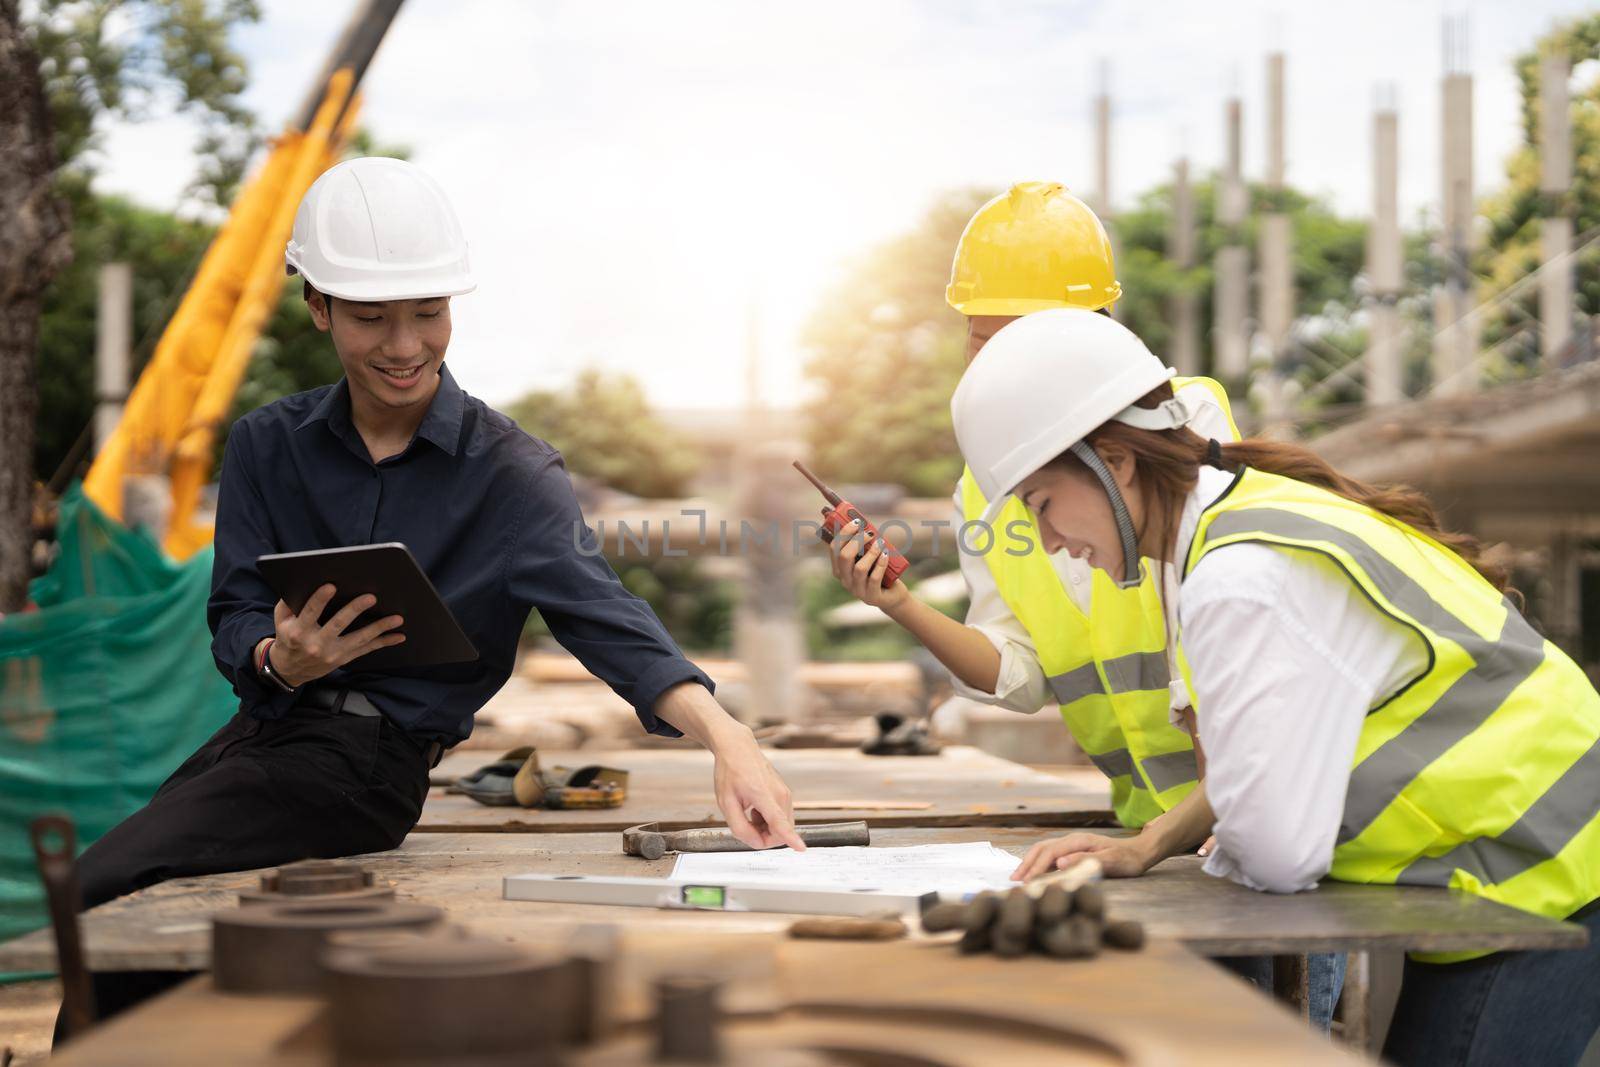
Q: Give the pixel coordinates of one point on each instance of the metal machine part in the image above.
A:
(687, 1020)
(445, 998)
(55, 851)
(321, 879)
(591, 967)
(651, 842)
(274, 948)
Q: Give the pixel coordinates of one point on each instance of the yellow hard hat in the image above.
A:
(1030, 249)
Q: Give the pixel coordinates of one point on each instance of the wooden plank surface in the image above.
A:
(919, 1001)
(167, 927)
(959, 787)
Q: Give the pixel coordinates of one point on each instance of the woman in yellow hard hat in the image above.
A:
(1374, 708)
(1044, 629)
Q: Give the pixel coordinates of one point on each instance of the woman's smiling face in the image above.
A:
(1074, 513)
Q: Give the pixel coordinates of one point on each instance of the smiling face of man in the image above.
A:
(391, 351)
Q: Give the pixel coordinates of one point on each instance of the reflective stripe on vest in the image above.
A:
(1483, 772)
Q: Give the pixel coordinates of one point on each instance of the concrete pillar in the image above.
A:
(1185, 310)
(1231, 295)
(1455, 342)
(1555, 184)
(769, 636)
(1277, 266)
(1102, 151)
(113, 348)
(1277, 156)
(1385, 264)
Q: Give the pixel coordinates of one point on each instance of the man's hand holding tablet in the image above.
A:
(307, 648)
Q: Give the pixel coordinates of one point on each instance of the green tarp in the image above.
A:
(103, 691)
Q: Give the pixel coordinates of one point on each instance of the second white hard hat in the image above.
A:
(374, 229)
(1045, 382)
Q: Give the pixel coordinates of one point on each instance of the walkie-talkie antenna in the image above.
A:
(828, 494)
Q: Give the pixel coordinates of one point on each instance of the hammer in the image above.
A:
(651, 842)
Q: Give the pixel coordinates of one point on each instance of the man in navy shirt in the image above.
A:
(322, 760)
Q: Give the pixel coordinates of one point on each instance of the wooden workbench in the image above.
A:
(914, 1001)
(166, 927)
(959, 787)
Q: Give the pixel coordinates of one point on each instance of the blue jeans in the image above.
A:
(1512, 1007)
(1324, 977)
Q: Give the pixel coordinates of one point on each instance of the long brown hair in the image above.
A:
(1169, 463)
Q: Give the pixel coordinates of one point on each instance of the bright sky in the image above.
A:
(629, 173)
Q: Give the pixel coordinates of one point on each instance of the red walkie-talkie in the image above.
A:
(841, 514)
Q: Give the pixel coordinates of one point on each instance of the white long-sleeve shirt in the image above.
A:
(1287, 657)
(1020, 685)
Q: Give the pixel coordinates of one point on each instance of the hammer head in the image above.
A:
(644, 840)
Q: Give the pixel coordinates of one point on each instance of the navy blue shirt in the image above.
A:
(488, 512)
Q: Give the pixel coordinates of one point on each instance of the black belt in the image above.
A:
(340, 701)
(343, 701)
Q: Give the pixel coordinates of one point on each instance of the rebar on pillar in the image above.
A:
(1102, 161)
(1231, 293)
(1555, 185)
(1185, 350)
(113, 347)
(1385, 264)
(1455, 341)
(1102, 145)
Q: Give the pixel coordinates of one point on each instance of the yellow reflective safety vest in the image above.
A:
(1107, 669)
(1482, 773)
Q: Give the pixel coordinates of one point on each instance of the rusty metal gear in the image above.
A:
(446, 999)
(323, 879)
(274, 948)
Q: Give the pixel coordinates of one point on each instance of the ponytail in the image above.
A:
(1169, 463)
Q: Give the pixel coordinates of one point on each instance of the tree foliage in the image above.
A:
(104, 230)
(1515, 211)
(129, 59)
(886, 353)
(606, 430)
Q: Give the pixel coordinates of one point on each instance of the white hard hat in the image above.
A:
(1045, 382)
(376, 229)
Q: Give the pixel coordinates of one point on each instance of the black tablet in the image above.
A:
(388, 572)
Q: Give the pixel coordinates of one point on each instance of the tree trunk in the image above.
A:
(34, 245)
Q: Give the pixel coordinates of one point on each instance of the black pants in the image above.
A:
(259, 794)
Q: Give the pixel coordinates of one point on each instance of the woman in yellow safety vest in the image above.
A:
(1372, 704)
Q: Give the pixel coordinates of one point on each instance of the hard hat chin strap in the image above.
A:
(1119, 511)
